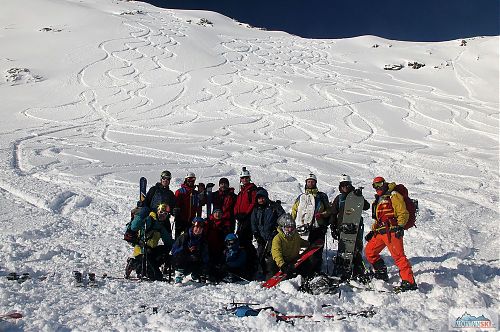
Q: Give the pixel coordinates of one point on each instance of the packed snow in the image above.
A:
(97, 93)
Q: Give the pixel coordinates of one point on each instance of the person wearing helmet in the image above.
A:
(264, 220)
(225, 199)
(189, 203)
(390, 216)
(285, 249)
(245, 202)
(318, 221)
(337, 208)
(160, 192)
(148, 256)
(190, 252)
(235, 260)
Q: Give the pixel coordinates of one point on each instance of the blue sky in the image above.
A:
(423, 20)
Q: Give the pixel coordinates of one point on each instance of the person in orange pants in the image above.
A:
(390, 216)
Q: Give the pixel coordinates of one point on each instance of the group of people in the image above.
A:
(221, 246)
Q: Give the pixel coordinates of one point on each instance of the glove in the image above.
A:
(131, 236)
(369, 236)
(201, 187)
(288, 268)
(358, 192)
(335, 235)
(399, 232)
(318, 215)
(192, 249)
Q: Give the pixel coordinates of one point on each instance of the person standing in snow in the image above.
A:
(160, 193)
(190, 252)
(337, 210)
(225, 199)
(390, 216)
(285, 250)
(245, 202)
(264, 220)
(189, 203)
(317, 221)
(145, 233)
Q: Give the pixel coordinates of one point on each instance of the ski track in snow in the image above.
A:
(156, 97)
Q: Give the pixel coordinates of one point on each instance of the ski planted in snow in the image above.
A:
(280, 275)
(143, 188)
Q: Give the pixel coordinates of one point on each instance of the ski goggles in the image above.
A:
(378, 185)
(162, 213)
(166, 178)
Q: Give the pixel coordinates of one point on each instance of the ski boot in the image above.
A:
(130, 267)
(406, 286)
(380, 270)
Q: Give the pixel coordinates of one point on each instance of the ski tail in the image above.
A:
(278, 277)
(143, 184)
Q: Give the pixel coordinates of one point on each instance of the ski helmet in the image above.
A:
(378, 179)
(244, 172)
(311, 176)
(345, 178)
(190, 175)
(232, 241)
(166, 175)
(288, 225)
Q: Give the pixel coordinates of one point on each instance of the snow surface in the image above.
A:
(96, 93)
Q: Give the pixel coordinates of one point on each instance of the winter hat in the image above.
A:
(262, 193)
(224, 180)
(217, 210)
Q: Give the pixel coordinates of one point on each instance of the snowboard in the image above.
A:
(280, 275)
(349, 227)
(305, 212)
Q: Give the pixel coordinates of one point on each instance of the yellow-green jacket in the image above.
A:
(286, 249)
(156, 230)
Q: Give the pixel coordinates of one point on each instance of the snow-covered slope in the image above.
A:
(95, 94)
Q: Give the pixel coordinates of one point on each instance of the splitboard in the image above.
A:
(348, 233)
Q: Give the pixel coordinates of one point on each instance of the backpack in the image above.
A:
(411, 205)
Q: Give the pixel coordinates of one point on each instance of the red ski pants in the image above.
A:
(395, 246)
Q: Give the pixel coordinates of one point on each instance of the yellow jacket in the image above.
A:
(390, 209)
(287, 249)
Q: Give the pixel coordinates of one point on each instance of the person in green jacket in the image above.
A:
(285, 249)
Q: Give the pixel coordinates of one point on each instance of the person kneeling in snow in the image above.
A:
(190, 252)
(286, 249)
(235, 260)
(146, 232)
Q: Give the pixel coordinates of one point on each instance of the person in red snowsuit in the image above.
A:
(245, 202)
(390, 216)
(225, 199)
(189, 202)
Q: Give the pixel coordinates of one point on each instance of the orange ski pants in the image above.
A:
(395, 246)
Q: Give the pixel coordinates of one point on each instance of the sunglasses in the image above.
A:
(378, 185)
(165, 178)
(162, 213)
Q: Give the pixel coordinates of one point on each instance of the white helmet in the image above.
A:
(190, 175)
(345, 178)
(244, 172)
(311, 176)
